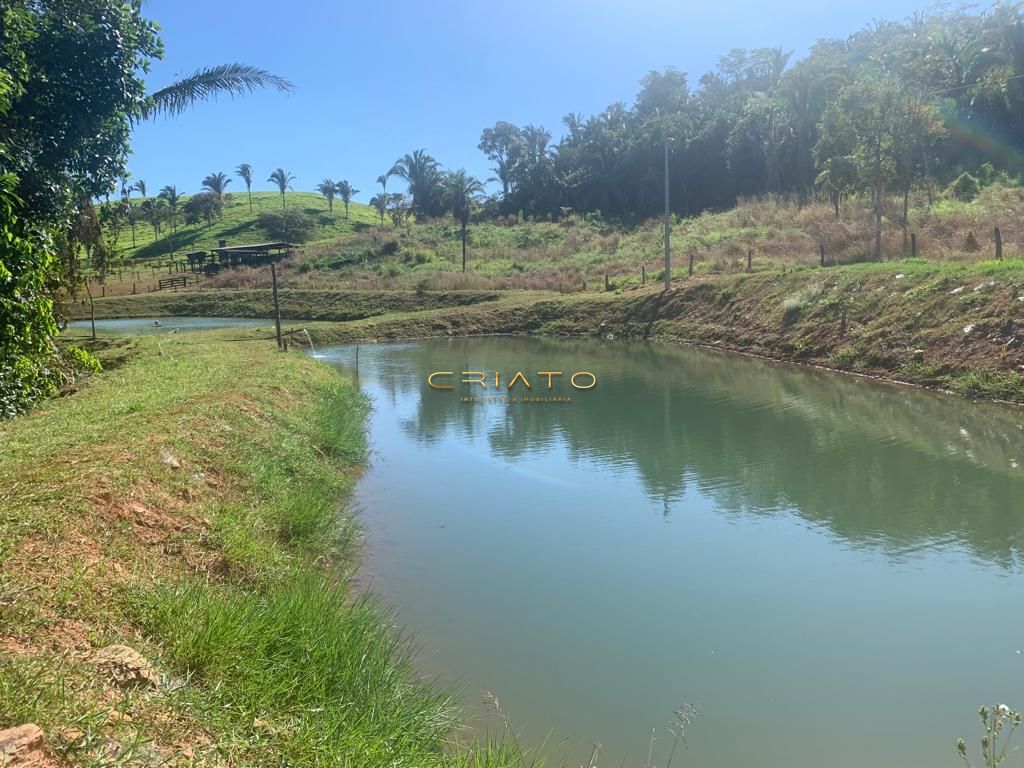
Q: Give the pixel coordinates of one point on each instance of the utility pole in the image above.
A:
(668, 226)
(277, 306)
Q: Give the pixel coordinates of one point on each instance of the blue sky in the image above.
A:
(375, 80)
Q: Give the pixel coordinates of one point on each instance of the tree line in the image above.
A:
(894, 106)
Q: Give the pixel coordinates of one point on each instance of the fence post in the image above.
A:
(691, 263)
(277, 307)
(821, 253)
(606, 282)
(133, 289)
(750, 259)
(913, 245)
(584, 285)
(999, 245)
(643, 275)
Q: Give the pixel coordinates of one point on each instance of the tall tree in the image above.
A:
(284, 180)
(244, 171)
(423, 175)
(328, 189)
(380, 203)
(876, 128)
(346, 192)
(170, 194)
(461, 192)
(140, 186)
(217, 183)
(501, 144)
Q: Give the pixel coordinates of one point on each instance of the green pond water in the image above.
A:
(829, 568)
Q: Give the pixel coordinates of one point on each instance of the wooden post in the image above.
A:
(643, 275)
(842, 325)
(821, 253)
(750, 259)
(92, 310)
(999, 245)
(277, 306)
(584, 285)
(913, 245)
(103, 288)
(691, 263)
(606, 282)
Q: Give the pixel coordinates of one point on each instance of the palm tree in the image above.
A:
(380, 202)
(155, 211)
(203, 84)
(170, 194)
(245, 171)
(217, 183)
(423, 174)
(140, 185)
(383, 181)
(462, 190)
(284, 180)
(346, 192)
(327, 188)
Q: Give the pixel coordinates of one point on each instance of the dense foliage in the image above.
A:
(69, 89)
(288, 225)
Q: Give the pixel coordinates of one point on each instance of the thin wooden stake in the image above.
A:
(999, 245)
(821, 251)
(750, 259)
(913, 245)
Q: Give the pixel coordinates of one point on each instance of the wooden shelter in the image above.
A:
(252, 255)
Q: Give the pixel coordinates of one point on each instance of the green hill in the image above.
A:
(238, 225)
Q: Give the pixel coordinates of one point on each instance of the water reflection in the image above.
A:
(881, 466)
(808, 557)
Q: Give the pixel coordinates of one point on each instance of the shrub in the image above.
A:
(290, 225)
(204, 206)
(964, 188)
(843, 359)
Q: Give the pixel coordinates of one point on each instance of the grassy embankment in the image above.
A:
(562, 256)
(188, 502)
(955, 326)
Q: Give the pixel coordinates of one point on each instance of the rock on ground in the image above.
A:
(127, 666)
(22, 747)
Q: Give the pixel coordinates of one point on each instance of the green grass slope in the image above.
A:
(238, 225)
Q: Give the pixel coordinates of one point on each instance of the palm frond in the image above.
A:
(210, 82)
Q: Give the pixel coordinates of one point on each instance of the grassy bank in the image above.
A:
(189, 503)
(954, 326)
(258, 303)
